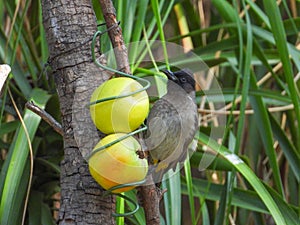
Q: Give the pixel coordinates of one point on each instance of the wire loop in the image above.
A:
(116, 141)
(109, 191)
(137, 207)
(146, 82)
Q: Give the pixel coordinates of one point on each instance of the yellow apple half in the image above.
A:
(120, 115)
(118, 164)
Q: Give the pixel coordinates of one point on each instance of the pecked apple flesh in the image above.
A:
(118, 164)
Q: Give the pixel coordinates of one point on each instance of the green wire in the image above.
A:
(146, 86)
(116, 141)
(109, 191)
(127, 213)
(147, 83)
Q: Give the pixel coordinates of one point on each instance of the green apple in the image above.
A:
(121, 115)
(118, 164)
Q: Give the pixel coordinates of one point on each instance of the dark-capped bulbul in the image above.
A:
(172, 123)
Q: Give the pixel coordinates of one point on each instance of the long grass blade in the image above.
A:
(280, 39)
(172, 199)
(289, 150)
(18, 160)
(245, 71)
(248, 175)
(159, 23)
(264, 128)
(189, 182)
(120, 208)
(281, 43)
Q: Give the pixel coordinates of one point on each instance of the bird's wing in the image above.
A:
(157, 130)
(163, 130)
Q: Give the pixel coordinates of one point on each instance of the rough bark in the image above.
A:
(69, 26)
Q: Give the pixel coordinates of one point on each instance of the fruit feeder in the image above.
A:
(118, 108)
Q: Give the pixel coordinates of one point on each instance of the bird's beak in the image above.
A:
(170, 75)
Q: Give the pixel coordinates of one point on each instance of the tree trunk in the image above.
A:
(69, 26)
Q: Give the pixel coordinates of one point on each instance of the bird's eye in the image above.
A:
(183, 79)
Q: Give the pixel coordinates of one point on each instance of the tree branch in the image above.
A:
(150, 194)
(115, 35)
(45, 116)
(150, 197)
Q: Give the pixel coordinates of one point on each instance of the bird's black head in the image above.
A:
(183, 78)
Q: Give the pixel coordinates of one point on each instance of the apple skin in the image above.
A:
(121, 115)
(118, 164)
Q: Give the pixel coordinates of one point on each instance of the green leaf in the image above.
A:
(159, 23)
(217, 162)
(264, 128)
(120, 208)
(288, 148)
(226, 10)
(47, 218)
(139, 216)
(35, 208)
(189, 182)
(281, 44)
(17, 73)
(245, 72)
(241, 198)
(249, 176)
(172, 198)
(8, 127)
(14, 167)
(128, 19)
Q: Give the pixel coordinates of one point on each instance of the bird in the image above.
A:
(172, 123)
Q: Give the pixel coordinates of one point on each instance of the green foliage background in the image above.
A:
(253, 49)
